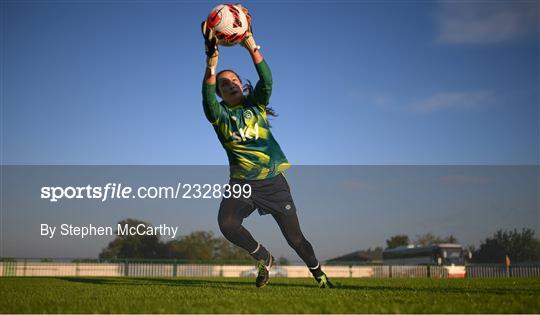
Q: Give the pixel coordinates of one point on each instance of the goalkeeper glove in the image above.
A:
(248, 42)
(211, 48)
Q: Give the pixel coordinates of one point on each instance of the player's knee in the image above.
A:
(296, 241)
(229, 225)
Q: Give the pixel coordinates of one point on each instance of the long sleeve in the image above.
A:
(212, 108)
(263, 89)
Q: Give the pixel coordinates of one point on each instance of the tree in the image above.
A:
(85, 260)
(226, 250)
(429, 238)
(198, 245)
(397, 240)
(519, 246)
(283, 261)
(202, 245)
(133, 246)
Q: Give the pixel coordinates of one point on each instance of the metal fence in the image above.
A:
(127, 268)
(501, 271)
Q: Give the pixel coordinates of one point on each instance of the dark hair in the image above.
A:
(248, 87)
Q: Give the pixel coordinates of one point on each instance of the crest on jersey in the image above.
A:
(248, 114)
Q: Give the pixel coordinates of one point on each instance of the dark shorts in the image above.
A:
(268, 196)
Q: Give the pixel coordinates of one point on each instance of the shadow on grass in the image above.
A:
(248, 284)
(178, 282)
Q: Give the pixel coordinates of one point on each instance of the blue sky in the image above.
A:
(118, 82)
(355, 83)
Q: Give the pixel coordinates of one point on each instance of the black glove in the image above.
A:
(210, 40)
(211, 48)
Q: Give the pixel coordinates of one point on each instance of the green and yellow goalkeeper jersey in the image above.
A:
(244, 132)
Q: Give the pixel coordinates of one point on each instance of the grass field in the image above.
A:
(282, 295)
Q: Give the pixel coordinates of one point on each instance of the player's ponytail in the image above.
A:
(248, 89)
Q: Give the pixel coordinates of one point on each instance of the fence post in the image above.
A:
(507, 263)
(350, 271)
(429, 271)
(390, 271)
(175, 268)
(126, 268)
(12, 268)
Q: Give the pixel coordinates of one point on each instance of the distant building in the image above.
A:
(359, 257)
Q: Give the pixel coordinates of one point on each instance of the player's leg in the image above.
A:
(290, 227)
(231, 215)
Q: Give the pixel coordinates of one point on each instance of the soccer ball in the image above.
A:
(229, 23)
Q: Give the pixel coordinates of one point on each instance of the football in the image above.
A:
(229, 24)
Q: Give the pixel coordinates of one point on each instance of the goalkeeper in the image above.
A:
(240, 121)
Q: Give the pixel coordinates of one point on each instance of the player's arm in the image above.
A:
(263, 88)
(255, 53)
(209, 76)
(212, 53)
(212, 108)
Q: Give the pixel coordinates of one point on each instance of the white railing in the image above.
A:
(164, 269)
(500, 271)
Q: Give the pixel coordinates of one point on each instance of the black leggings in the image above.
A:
(231, 214)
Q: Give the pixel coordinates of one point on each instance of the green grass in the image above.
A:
(282, 295)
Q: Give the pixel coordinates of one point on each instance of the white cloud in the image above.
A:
(484, 22)
(453, 100)
(442, 101)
